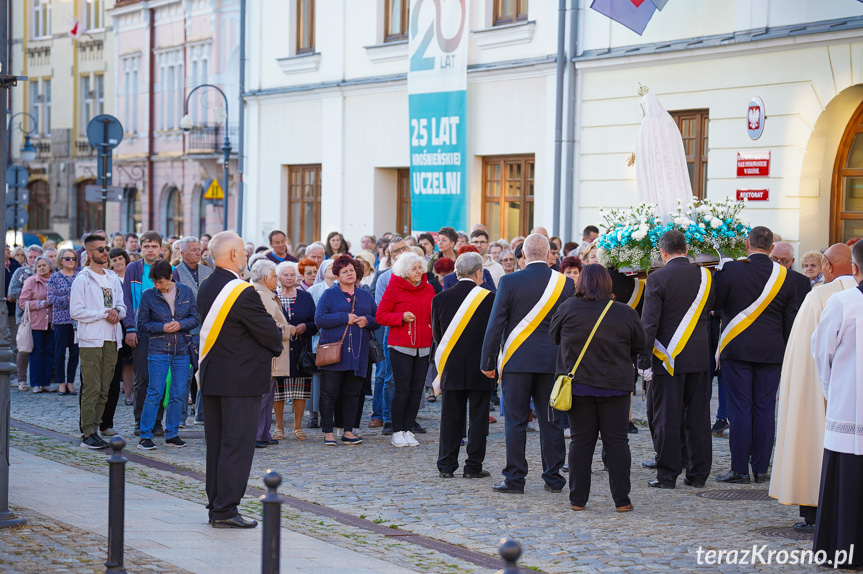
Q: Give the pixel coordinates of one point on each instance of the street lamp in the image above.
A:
(28, 152)
(186, 124)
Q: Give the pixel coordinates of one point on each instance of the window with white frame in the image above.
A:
(45, 120)
(41, 18)
(170, 89)
(35, 105)
(94, 14)
(100, 94)
(200, 60)
(130, 67)
(88, 106)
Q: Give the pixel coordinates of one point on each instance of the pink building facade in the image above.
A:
(164, 49)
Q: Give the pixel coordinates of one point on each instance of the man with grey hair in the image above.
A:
(191, 273)
(459, 317)
(527, 362)
(316, 252)
(15, 286)
(783, 254)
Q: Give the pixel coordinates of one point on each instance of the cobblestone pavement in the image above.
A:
(400, 488)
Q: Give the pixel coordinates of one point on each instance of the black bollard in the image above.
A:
(116, 506)
(272, 503)
(510, 551)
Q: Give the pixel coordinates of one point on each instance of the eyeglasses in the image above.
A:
(780, 260)
(824, 254)
(397, 251)
(70, 259)
(479, 242)
(100, 249)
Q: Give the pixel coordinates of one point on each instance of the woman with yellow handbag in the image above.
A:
(597, 338)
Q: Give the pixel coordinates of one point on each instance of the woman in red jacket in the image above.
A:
(406, 310)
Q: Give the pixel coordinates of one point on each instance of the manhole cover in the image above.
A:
(734, 494)
(789, 533)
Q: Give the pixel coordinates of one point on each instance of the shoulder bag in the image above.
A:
(561, 393)
(331, 353)
(24, 338)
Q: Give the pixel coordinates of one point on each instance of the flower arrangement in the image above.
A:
(712, 229)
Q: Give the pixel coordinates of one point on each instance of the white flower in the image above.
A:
(678, 221)
(715, 223)
(639, 235)
(701, 225)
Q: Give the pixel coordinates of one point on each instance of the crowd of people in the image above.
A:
(478, 324)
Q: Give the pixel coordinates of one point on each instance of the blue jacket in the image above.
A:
(331, 317)
(154, 312)
(132, 281)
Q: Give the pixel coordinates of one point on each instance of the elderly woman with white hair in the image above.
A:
(406, 309)
(264, 281)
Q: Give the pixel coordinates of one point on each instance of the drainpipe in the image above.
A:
(151, 123)
(570, 124)
(242, 124)
(558, 112)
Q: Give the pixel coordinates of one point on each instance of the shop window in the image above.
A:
(508, 193)
(693, 126)
(847, 201)
(304, 203)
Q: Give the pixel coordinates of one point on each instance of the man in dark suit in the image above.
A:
(678, 298)
(234, 373)
(462, 381)
(783, 254)
(751, 351)
(528, 364)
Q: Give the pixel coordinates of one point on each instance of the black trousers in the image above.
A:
(681, 426)
(230, 434)
(142, 379)
(454, 409)
(342, 387)
(361, 403)
(113, 397)
(587, 418)
(517, 390)
(409, 378)
(839, 525)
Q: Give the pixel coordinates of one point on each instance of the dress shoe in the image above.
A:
(505, 489)
(627, 508)
(656, 484)
(719, 426)
(688, 482)
(804, 527)
(235, 522)
(576, 508)
(648, 464)
(554, 490)
(260, 444)
(447, 475)
(418, 429)
(272, 441)
(632, 428)
(375, 423)
(732, 477)
(762, 477)
(480, 474)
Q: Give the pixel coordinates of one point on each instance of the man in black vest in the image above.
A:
(752, 360)
(529, 370)
(234, 374)
(461, 381)
(678, 296)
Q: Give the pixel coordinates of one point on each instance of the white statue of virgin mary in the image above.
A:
(661, 173)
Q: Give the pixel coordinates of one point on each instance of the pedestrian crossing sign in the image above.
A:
(214, 190)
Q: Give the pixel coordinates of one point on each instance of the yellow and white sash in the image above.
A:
(687, 326)
(531, 321)
(748, 316)
(453, 332)
(216, 316)
(637, 293)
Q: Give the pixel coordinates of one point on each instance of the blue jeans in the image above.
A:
(42, 358)
(64, 338)
(388, 387)
(158, 366)
(380, 379)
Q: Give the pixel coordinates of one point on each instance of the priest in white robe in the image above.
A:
(838, 349)
(796, 476)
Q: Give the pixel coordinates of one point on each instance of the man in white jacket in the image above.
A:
(96, 303)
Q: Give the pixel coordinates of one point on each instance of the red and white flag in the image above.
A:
(77, 30)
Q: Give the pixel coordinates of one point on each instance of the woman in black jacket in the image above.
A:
(602, 382)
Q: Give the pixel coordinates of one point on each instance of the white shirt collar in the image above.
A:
(537, 261)
(468, 279)
(234, 273)
(676, 257)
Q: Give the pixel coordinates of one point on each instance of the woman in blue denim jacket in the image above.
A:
(167, 313)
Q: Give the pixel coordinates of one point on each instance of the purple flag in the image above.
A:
(634, 14)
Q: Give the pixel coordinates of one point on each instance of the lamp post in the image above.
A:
(28, 152)
(186, 124)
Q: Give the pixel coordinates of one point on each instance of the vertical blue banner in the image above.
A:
(437, 92)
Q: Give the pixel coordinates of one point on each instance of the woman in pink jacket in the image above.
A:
(34, 296)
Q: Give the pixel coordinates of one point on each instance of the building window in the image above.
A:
(94, 12)
(88, 104)
(396, 20)
(403, 216)
(170, 89)
(693, 126)
(45, 121)
(41, 18)
(509, 11)
(35, 105)
(40, 205)
(202, 211)
(130, 93)
(305, 26)
(847, 201)
(507, 199)
(100, 94)
(174, 212)
(304, 203)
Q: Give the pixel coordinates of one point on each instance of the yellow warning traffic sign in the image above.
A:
(214, 191)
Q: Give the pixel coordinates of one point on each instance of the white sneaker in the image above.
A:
(399, 439)
(411, 439)
(567, 433)
(53, 388)
(36, 390)
(533, 425)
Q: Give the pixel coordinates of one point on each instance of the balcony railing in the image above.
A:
(209, 138)
(43, 149)
(84, 148)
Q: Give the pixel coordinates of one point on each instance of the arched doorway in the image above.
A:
(40, 205)
(88, 213)
(846, 220)
(174, 212)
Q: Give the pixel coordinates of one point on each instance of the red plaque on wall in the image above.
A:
(753, 194)
(753, 164)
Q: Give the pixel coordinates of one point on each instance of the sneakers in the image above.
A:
(147, 444)
(719, 426)
(109, 432)
(410, 438)
(53, 388)
(93, 441)
(388, 429)
(399, 440)
(175, 441)
(533, 425)
(36, 390)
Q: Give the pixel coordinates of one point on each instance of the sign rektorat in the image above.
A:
(753, 194)
(437, 102)
(753, 164)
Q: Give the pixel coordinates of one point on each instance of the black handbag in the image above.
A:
(307, 366)
(376, 350)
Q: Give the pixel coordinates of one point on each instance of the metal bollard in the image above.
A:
(116, 506)
(510, 551)
(272, 503)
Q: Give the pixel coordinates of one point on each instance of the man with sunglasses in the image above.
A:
(783, 254)
(96, 303)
